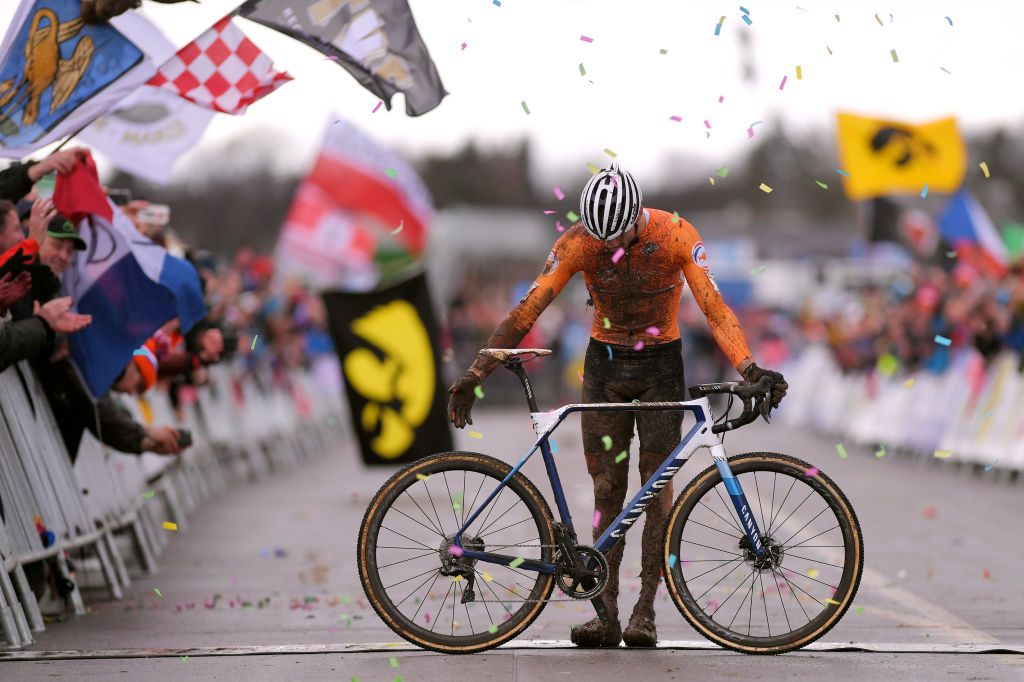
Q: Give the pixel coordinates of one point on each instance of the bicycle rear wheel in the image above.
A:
(790, 596)
(403, 555)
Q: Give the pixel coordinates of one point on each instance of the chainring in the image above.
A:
(586, 586)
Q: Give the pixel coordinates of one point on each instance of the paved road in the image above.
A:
(942, 571)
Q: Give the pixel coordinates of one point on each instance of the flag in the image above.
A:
(148, 131)
(374, 40)
(359, 176)
(967, 228)
(57, 73)
(129, 284)
(890, 157)
(221, 69)
(387, 342)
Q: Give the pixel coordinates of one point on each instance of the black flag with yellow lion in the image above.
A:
(387, 342)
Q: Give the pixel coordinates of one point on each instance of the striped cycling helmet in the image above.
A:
(610, 202)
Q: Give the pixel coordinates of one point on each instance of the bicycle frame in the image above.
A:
(545, 423)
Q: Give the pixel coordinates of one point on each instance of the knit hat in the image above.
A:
(145, 360)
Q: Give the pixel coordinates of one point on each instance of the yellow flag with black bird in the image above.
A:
(884, 157)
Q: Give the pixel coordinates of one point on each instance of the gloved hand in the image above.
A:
(753, 374)
(461, 402)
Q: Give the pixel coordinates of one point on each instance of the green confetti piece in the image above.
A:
(148, 494)
(253, 346)
(183, 659)
(393, 661)
(517, 562)
(158, 593)
(663, 51)
(345, 599)
(525, 108)
(607, 440)
(478, 392)
(924, 191)
(821, 184)
(880, 453)
(722, 172)
(493, 629)
(390, 172)
(456, 506)
(888, 364)
(607, 323)
(621, 456)
(841, 450)
(572, 216)
(583, 72)
(675, 216)
(895, 57)
(859, 609)
(758, 270)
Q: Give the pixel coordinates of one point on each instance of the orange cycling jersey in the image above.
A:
(635, 293)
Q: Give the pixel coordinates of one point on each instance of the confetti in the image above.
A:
(554, 446)
(821, 184)
(879, 21)
(837, 18)
(607, 440)
(170, 525)
(783, 83)
(672, 559)
(621, 456)
(765, 188)
(653, 331)
(158, 593)
(391, 172)
(984, 168)
(393, 661)
(829, 49)
(722, 172)
(663, 51)
(377, 107)
(909, 383)
(463, 46)
(586, 39)
(746, 20)
(148, 494)
(607, 323)
(597, 518)
(525, 108)
(675, 118)
(559, 193)
(401, 226)
(813, 471)
(475, 434)
(423, 477)
(949, 20)
(841, 449)
(833, 602)
(609, 351)
(493, 629)
(930, 512)
(573, 218)
(799, 73)
(559, 226)
(639, 345)
(478, 392)
(549, 213)
(951, 254)
(812, 573)
(496, 3)
(842, 172)
(253, 346)
(675, 216)
(942, 340)
(880, 453)
(517, 562)
(183, 659)
(707, 123)
(895, 57)
(612, 154)
(718, 26)
(943, 68)
(985, 574)
(583, 72)
(758, 270)
(455, 550)
(943, 454)
(487, 576)
(617, 256)
(721, 98)
(924, 191)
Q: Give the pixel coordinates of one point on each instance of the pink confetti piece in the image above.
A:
(559, 193)
(653, 331)
(455, 550)
(639, 345)
(559, 226)
(549, 212)
(707, 124)
(750, 133)
(721, 98)
(463, 47)
(378, 106)
(675, 118)
(426, 616)
(813, 471)
(586, 39)
(783, 83)
(617, 256)
(331, 59)
(597, 518)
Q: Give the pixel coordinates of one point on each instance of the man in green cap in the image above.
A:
(59, 246)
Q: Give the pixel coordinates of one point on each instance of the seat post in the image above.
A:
(517, 368)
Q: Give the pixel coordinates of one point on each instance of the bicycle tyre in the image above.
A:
(369, 574)
(845, 590)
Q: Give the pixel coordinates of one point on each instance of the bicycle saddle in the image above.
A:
(504, 354)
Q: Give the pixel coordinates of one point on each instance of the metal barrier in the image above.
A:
(973, 413)
(244, 427)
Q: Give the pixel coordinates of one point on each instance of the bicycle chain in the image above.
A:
(523, 601)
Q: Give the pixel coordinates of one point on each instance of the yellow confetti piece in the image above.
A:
(895, 57)
(488, 577)
(594, 170)
(909, 383)
(456, 578)
(821, 184)
(812, 573)
(984, 168)
(943, 454)
(833, 602)
(765, 188)
(158, 593)
(253, 346)
(711, 180)
(799, 73)
(879, 20)
(610, 153)
(829, 49)
(423, 477)
(475, 434)
(880, 453)
(170, 525)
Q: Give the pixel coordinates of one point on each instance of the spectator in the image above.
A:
(17, 181)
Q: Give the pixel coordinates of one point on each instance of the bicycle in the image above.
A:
(706, 539)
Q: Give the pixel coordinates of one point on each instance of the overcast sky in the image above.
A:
(531, 50)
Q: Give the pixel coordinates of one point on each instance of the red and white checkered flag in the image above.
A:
(221, 69)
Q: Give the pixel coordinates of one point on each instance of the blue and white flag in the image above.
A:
(131, 286)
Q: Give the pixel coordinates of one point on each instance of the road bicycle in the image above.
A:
(459, 552)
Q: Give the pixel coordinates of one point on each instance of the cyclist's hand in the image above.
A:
(461, 402)
(753, 374)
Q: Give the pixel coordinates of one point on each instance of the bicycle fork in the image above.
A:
(739, 500)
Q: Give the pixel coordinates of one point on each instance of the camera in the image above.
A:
(184, 438)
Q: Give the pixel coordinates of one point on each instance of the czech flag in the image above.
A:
(966, 227)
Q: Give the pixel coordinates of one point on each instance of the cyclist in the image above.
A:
(634, 261)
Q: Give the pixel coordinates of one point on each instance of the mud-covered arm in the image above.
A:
(721, 319)
(558, 270)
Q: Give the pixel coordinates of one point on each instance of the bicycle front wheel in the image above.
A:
(414, 583)
(798, 589)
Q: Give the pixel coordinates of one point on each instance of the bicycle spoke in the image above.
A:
(431, 498)
(760, 508)
(782, 601)
(470, 508)
(801, 543)
(742, 583)
(441, 608)
(528, 518)
(425, 515)
(483, 531)
(454, 602)
(803, 526)
(717, 530)
(831, 587)
(738, 530)
(432, 530)
(494, 504)
(383, 527)
(409, 578)
(501, 601)
(462, 517)
(817, 561)
(716, 585)
(771, 508)
(724, 551)
(797, 508)
(415, 589)
(455, 515)
(731, 509)
(402, 561)
(793, 592)
(724, 562)
(771, 523)
(469, 619)
(764, 598)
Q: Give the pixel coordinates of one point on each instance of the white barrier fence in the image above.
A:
(968, 414)
(242, 429)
